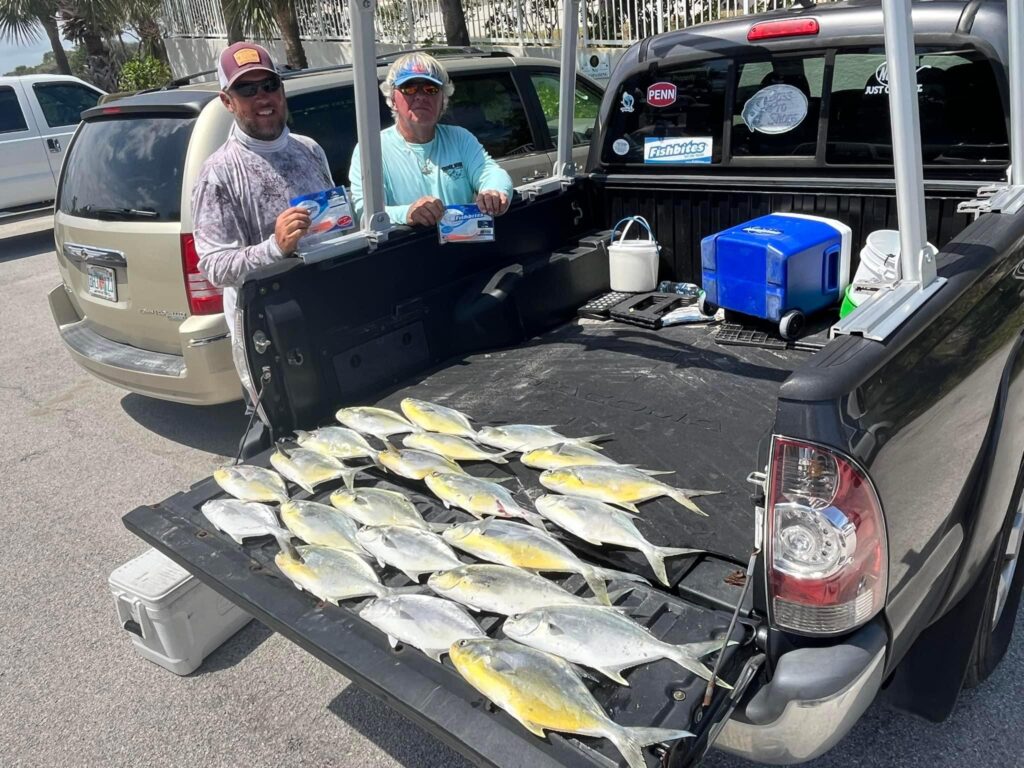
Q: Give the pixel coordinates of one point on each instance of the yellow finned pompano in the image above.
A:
(250, 483)
(414, 464)
(413, 551)
(451, 447)
(565, 455)
(336, 442)
(603, 639)
(244, 520)
(479, 497)
(621, 485)
(522, 546)
(437, 418)
(379, 422)
(528, 437)
(426, 622)
(500, 589)
(308, 469)
(332, 574)
(377, 506)
(545, 693)
(600, 523)
(317, 523)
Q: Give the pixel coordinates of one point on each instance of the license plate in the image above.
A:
(103, 283)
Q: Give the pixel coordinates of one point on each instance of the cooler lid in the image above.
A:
(151, 576)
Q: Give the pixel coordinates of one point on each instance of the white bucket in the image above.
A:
(879, 259)
(633, 264)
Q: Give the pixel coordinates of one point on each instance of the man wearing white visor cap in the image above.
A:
(426, 165)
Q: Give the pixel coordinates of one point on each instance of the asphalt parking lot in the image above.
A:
(77, 454)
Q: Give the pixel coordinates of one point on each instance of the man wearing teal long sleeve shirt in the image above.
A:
(428, 166)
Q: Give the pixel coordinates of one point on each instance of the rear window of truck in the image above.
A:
(813, 109)
(127, 168)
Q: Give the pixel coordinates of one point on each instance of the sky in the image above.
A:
(12, 55)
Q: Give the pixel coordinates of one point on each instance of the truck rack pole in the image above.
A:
(1015, 30)
(882, 314)
(564, 166)
(364, 81)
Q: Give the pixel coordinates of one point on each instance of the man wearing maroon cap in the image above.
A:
(241, 216)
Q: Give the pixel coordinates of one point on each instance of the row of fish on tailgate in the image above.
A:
(548, 628)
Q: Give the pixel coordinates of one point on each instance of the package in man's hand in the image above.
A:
(465, 224)
(329, 212)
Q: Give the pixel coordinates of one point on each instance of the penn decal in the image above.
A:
(661, 94)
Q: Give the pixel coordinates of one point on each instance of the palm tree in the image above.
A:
(259, 18)
(20, 21)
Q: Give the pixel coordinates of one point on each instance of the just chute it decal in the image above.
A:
(661, 94)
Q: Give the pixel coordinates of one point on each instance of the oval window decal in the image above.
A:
(775, 109)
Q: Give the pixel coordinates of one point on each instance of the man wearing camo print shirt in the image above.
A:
(240, 203)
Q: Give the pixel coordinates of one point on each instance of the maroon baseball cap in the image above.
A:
(239, 58)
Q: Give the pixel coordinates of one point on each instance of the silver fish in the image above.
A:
(621, 485)
(413, 551)
(564, 455)
(414, 464)
(377, 506)
(451, 447)
(545, 693)
(527, 437)
(332, 574)
(308, 469)
(426, 622)
(479, 497)
(600, 523)
(500, 589)
(249, 483)
(321, 524)
(603, 639)
(379, 422)
(336, 442)
(521, 546)
(244, 520)
(437, 418)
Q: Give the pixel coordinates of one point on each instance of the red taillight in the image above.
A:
(827, 558)
(204, 298)
(768, 30)
(111, 110)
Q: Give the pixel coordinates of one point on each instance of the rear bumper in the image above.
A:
(203, 375)
(811, 703)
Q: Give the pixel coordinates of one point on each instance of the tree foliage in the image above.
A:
(143, 72)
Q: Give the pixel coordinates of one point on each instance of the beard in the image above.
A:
(265, 129)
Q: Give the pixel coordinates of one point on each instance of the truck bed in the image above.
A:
(653, 392)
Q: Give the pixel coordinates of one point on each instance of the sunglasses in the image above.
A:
(248, 90)
(428, 89)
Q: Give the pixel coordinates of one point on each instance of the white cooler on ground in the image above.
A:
(175, 620)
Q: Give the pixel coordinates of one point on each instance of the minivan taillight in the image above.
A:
(827, 559)
(204, 298)
(773, 30)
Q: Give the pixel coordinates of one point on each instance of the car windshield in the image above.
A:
(127, 168)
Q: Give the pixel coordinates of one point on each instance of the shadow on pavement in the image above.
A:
(248, 639)
(211, 428)
(26, 245)
(405, 741)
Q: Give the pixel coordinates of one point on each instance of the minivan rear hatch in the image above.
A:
(118, 222)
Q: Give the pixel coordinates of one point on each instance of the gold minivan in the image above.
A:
(133, 308)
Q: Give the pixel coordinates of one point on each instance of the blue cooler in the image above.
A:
(779, 267)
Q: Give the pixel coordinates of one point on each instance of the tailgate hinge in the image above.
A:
(994, 198)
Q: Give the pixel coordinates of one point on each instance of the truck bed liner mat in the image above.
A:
(672, 400)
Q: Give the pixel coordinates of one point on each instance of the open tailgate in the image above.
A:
(434, 695)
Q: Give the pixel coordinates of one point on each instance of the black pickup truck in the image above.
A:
(878, 482)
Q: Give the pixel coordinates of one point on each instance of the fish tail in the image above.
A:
(590, 440)
(388, 445)
(499, 457)
(537, 521)
(284, 540)
(349, 475)
(597, 585)
(656, 556)
(631, 741)
(704, 647)
(610, 574)
(685, 659)
(681, 496)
